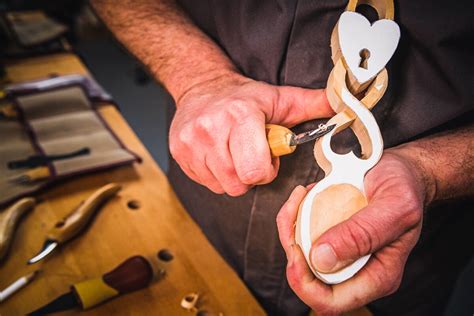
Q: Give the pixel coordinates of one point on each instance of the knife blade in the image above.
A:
(283, 141)
(75, 222)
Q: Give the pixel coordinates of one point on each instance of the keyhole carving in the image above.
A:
(364, 57)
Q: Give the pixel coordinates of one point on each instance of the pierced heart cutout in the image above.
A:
(366, 48)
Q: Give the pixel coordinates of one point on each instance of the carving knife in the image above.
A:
(9, 220)
(75, 222)
(133, 274)
(283, 141)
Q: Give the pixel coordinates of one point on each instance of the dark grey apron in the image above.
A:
(287, 43)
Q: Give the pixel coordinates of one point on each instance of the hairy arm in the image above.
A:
(218, 132)
(444, 163)
(163, 37)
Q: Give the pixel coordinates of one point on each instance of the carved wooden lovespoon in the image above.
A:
(360, 52)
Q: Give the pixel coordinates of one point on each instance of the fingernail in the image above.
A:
(324, 258)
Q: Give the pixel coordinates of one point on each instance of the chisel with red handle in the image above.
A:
(133, 274)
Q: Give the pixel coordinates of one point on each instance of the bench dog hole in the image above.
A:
(165, 255)
(133, 204)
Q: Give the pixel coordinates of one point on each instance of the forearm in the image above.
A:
(444, 163)
(165, 40)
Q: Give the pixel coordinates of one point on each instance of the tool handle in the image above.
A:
(38, 173)
(9, 219)
(8, 110)
(74, 222)
(279, 139)
(131, 275)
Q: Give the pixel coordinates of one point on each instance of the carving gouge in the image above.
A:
(283, 141)
(75, 222)
(32, 175)
(131, 275)
(9, 220)
(8, 111)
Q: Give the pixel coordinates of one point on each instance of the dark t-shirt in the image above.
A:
(430, 88)
(287, 43)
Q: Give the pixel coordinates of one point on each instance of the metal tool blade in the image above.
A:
(48, 247)
(322, 130)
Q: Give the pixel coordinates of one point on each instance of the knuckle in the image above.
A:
(359, 236)
(213, 186)
(216, 190)
(204, 123)
(411, 198)
(267, 178)
(253, 176)
(237, 191)
(186, 135)
(227, 170)
(412, 212)
(239, 109)
(412, 217)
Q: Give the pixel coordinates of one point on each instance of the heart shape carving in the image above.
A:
(366, 48)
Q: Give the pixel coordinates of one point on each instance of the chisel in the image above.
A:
(283, 141)
(133, 274)
(75, 222)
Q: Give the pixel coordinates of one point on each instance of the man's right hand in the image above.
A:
(218, 133)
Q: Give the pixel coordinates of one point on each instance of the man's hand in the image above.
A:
(218, 133)
(388, 227)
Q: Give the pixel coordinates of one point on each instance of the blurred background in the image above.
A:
(142, 101)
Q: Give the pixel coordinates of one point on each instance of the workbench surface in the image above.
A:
(118, 232)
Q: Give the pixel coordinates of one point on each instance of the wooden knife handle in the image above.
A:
(279, 139)
(38, 173)
(8, 110)
(9, 219)
(75, 221)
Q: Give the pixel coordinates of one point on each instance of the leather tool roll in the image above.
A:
(55, 121)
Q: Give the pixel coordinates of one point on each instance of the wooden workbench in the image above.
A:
(118, 232)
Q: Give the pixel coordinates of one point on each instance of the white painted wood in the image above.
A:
(380, 39)
(344, 169)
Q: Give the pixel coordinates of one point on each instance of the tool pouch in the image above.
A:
(30, 33)
(55, 121)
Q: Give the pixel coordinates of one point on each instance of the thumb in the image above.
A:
(296, 105)
(367, 231)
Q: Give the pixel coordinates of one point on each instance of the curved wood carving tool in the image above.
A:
(283, 141)
(9, 220)
(75, 222)
(33, 175)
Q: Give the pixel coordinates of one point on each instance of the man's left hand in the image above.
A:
(388, 228)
